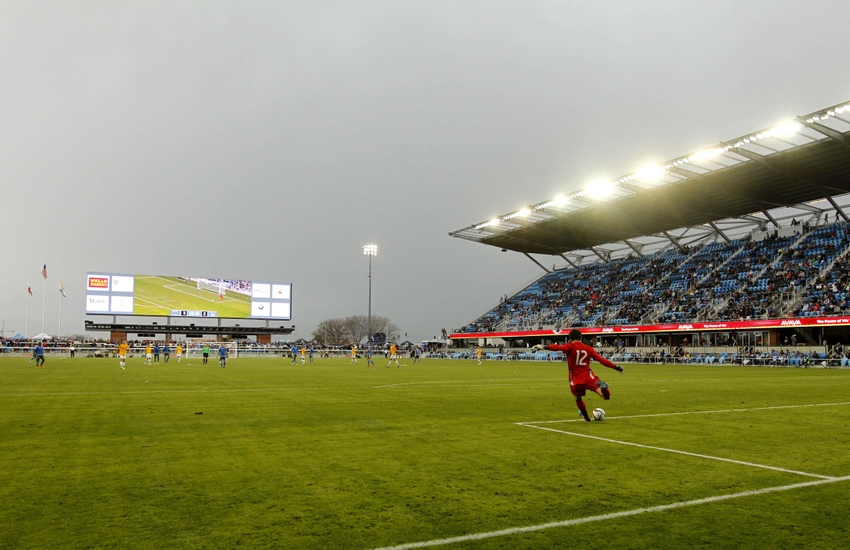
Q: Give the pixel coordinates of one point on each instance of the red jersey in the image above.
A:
(579, 355)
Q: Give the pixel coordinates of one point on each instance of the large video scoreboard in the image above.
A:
(168, 296)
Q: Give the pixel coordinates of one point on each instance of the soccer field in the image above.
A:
(157, 295)
(333, 455)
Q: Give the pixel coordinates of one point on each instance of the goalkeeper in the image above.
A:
(582, 378)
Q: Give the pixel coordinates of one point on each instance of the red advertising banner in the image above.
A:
(673, 327)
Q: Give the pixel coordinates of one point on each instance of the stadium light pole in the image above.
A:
(370, 250)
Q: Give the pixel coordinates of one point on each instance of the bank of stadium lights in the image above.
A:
(600, 189)
(653, 173)
(557, 202)
(648, 174)
(782, 130)
(837, 111)
(524, 213)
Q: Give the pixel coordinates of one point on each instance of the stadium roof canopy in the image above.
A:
(800, 168)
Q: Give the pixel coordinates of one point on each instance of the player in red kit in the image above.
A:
(582, 378)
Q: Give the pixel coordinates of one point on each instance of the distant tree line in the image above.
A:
(353, 330)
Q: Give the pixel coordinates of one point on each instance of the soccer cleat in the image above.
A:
(585, 416)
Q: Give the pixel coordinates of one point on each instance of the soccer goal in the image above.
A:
(212, 286)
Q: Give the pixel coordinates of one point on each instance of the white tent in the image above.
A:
(42, 336)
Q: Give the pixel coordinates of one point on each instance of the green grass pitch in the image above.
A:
(157, 295)
(333, 455)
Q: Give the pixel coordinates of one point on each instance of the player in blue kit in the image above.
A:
(222, 356)
(369, 361)
(38, 355)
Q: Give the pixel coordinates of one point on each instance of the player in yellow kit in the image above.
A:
(148, 353)
(122, 353)
(179, 352)
(303, 354)
(479, 354)
(393, 356)
(353, 354)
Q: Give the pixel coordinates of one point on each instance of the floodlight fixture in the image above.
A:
(600, 189)
(370, 250)
(559, 201)
(523, 213)
(494, 221)
(785, 129)
(707, 154)
(650, 173)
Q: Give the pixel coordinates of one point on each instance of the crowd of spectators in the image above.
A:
(738, 280)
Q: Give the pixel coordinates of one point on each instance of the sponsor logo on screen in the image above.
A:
(261, 290)
(121, 304)
(122, 283)
(98, 283)
(260, 309)
(281, 292)
(97, 304)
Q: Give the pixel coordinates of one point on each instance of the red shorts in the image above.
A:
(579, 390)
(586, 382)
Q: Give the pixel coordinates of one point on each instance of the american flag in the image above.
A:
(44, 271)
(29, 289)
(62, 289)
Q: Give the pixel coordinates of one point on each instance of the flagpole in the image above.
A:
(43, 303)
(27, 324)
(59, 334)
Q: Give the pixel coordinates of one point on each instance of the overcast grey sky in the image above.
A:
(271, 140)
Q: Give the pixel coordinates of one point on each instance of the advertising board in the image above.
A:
(169, 296)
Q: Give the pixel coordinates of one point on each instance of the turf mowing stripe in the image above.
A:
(741, 462)
(693, 412)
(145, 392)
(615, 515)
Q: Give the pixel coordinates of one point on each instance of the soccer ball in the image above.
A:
(598, 414)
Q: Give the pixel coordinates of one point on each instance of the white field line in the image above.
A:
(778, 407)
(721, 459)
(175, 288)
(614, 515)
(138, 299)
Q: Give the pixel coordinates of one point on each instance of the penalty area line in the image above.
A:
(614, 515)
(686, 453)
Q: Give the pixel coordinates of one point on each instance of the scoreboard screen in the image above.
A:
(169, 296)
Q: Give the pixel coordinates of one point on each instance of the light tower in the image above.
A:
(370, 250)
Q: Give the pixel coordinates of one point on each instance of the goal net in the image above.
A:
(217, 287)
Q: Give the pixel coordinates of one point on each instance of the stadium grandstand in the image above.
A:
(744, 243)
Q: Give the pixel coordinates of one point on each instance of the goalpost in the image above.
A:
(218, 288)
